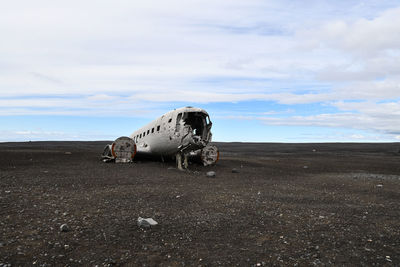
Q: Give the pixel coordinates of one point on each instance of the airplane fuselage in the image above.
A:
(182, 133)
(180, 130)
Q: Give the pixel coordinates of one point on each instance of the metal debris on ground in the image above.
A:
(64, 228)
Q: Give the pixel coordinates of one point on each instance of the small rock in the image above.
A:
(234, 170)
(146, 222)
(64, 228)
(379, 185)
(210, 174)
(305, 167)
(68, 153)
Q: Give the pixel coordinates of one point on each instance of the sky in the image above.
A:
(265, 71)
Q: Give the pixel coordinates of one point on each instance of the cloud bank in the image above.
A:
(127, 57)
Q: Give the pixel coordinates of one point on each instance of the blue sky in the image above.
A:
(270, 71)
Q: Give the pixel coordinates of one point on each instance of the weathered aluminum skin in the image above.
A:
(173, 136)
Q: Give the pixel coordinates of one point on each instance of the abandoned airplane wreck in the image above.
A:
(183, 133)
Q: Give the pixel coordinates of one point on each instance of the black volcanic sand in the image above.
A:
(289, 204)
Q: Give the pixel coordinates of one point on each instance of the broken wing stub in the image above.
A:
(122, 150)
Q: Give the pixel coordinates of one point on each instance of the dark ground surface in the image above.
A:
(288, 205)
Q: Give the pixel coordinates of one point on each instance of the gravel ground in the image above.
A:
(268, 204)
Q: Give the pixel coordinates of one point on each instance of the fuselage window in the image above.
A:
(144, 134)
(178, 119)
(140, 136)
(148, 131)
(169, 120)
(152, 130)
(158, 128)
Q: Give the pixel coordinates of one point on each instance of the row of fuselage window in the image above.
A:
(137, 137)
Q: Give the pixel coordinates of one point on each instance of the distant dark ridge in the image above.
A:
(254, 148)
(228, 147)
(55, 145)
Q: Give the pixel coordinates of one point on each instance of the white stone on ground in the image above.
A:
(211, 174)
(146, 222)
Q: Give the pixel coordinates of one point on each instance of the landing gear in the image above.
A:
(209, 155)
(182, 166)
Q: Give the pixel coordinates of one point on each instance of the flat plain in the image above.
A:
(283, 204)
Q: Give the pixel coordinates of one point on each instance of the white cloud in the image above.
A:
(382, 118)
(362, 37)
(42, 135)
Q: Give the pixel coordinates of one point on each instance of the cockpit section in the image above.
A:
(197, 122)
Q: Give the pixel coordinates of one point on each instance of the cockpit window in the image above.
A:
(208, 120)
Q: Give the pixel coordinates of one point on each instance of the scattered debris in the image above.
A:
(210, 174)
(305, 167)
(122, 150)
(64, 228)
(379, 185)
(314, 150)
(234, 170)
(67, 153)
(146, 222)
